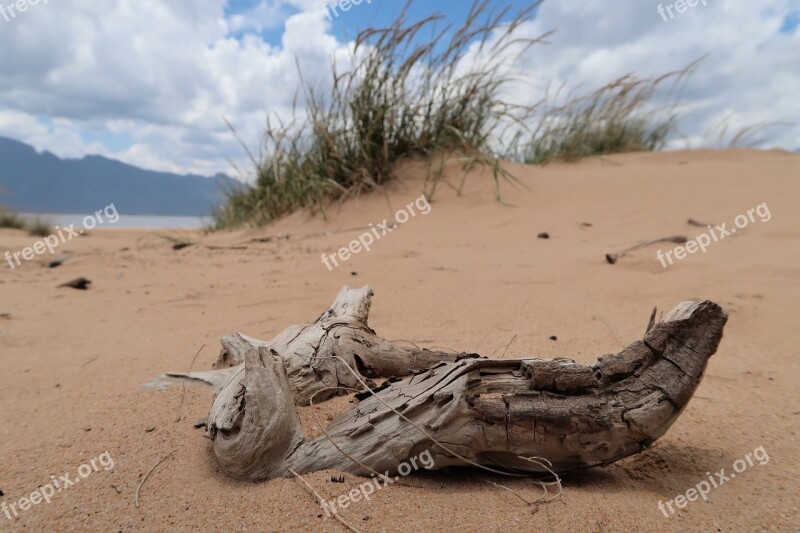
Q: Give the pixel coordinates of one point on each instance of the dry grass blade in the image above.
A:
(420, 429)
(139, 486)
(356, 461)
(183, 389)
(618, 117)
(321, 501)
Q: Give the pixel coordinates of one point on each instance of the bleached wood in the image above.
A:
(309, 353)
(490, 412)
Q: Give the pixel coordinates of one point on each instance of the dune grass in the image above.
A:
(40, 227)
(402, 96)
(9, 220)
(405, 95)
(617, 118)
(37, 227)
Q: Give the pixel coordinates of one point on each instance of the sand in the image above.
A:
(471, 274)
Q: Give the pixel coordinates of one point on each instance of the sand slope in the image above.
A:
(471, 272)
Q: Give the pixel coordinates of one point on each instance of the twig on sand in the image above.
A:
(90, 361)
(136, 495)
(321, 501)
(677, 239)
(226, 247)
(693, 222)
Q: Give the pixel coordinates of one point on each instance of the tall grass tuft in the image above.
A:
(37, 227)
(40, 227)
(616, 118)
(402, 96)
(10, 220)
(406, 92)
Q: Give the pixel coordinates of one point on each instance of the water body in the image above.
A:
(126, 221)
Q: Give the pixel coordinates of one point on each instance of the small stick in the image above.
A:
(136, 496)
(676, 239)
(90, 361)
(321, 501)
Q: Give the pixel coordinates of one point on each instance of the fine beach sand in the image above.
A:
(471, 273)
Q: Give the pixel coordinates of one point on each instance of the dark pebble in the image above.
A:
(81, 284)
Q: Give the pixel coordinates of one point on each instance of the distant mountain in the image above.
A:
(31, 182)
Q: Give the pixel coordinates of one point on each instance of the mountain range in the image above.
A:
(33, 182)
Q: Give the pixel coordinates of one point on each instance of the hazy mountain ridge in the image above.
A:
(33, 182)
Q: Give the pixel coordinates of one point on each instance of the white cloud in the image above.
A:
(164, 74)
(750, 75)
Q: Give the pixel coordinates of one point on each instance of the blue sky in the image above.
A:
(376, 13)
(151, 82)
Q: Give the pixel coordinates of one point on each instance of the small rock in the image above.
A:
(354, 273)
(150, 430)
(544, 235)
(586, 224)
(611, 258)
(2, 493)
(553, 338)
(57, 262)
(337, 479)
(366, 517)
(81, 284)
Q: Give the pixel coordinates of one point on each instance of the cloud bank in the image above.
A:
(149, 82)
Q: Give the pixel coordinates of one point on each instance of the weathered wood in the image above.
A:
(493, 413)
(317, 356)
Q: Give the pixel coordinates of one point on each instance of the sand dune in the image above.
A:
(471, 274)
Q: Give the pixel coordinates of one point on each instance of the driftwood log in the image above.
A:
(462, 408)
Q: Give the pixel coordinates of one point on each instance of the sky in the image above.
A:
(152, 82)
